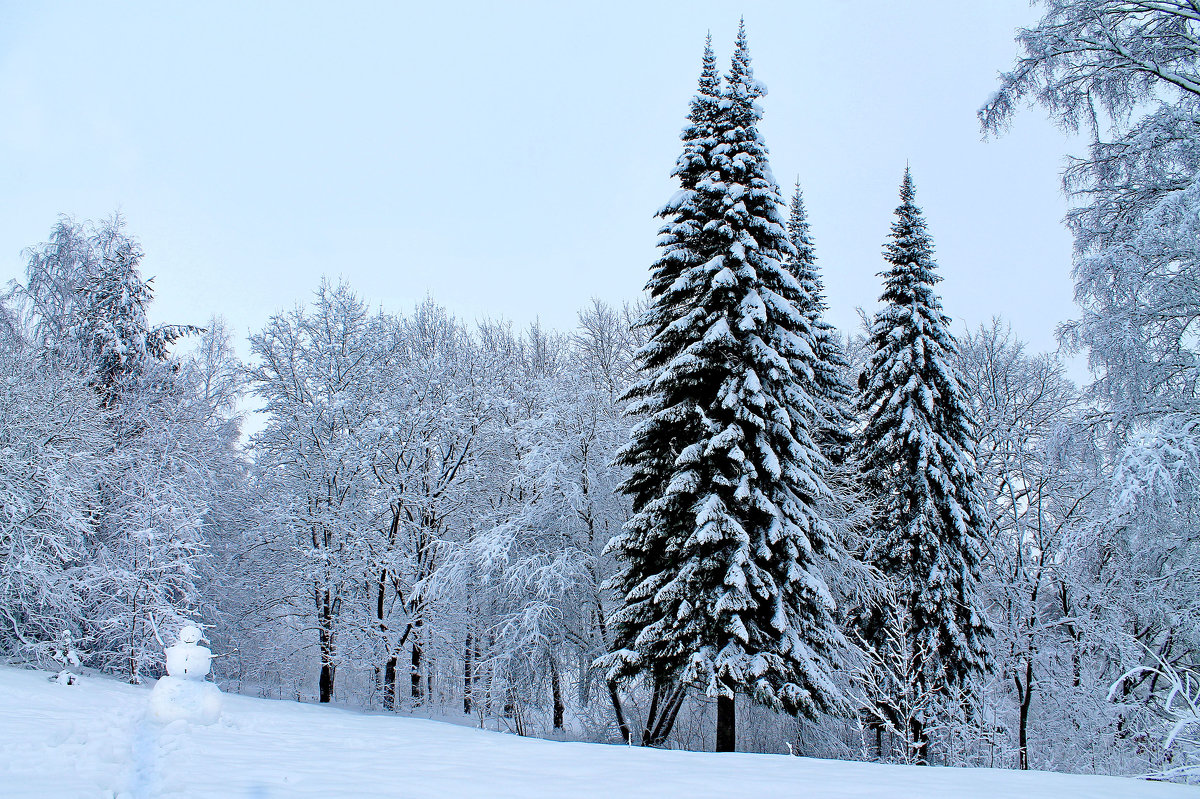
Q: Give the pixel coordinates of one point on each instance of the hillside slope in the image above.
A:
(95, 740)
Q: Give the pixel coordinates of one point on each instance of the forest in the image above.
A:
(705, 518)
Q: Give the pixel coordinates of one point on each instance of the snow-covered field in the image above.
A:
(96, 739)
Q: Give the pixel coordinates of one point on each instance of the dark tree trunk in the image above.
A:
(468, 677)
(389, 682)
(416, 672)
(556, 691)
(664, 709)
(328, 670)
(652, 714)
(1076, 657)
(388, 686)
(874, 725)
(1023, 721)
(726, 725)
(326, 682)
(622, 725)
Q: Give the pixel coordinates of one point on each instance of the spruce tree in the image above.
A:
(111, 328)
(682, 237)
(918, 459)
(831, 393)
(720, 566)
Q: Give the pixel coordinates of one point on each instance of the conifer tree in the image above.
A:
(111, 328)
(720, 569)
(831, 393)
(918, 457)
(682, 236)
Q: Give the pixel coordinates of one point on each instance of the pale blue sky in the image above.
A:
(508, 158)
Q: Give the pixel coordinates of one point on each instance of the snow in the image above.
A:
(95, 740)
(176, 699)
(188, 661)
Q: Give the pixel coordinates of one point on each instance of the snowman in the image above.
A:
(183, 693)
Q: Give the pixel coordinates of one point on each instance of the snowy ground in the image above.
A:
(96, 740)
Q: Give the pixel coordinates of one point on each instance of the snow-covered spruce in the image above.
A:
(918, 459)
(832, 395)
(721, 564)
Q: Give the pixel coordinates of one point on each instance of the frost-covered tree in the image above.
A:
(313, 369)
(433, 400)
(150, 545)
(52, 445)
(1042, 491)
(1129, 74)
(918, 459)
(552, 519)
(55, 274)
(213, 379)
(683, 237)
(833, 397)
(86, 301)
(721, 564)
(827, 379)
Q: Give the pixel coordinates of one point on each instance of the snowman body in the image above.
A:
(188, 661)
(183, 693)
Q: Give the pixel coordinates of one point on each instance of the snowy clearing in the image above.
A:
(96, 739)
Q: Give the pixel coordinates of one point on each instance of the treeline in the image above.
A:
(422, 521)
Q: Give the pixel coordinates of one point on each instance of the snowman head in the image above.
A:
(190, 635)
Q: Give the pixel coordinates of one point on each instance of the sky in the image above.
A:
(508, 159)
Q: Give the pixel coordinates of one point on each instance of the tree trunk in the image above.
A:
(1076, 656)
(556, 691)
(328, 670)
(416, 671)
(1023, 721)
(389, 682)
(652, 714)
(622, 725)
(664, 709)
(327, 612)
(726, 725)
(326, 682)
(468, 677)
(490, 704)
(133, 670)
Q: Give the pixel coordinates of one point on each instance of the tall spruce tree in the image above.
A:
(831, 393)
(918, 459)
(721, 563)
